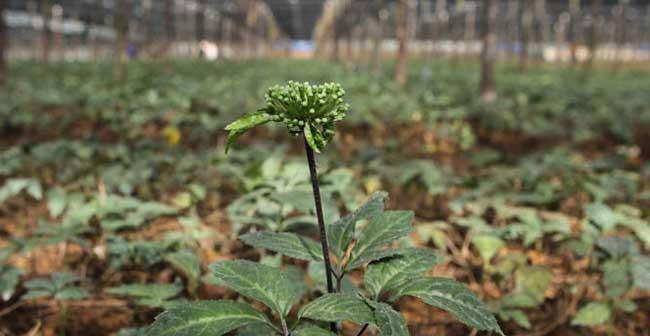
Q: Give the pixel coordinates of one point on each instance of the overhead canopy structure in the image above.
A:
(257, 22)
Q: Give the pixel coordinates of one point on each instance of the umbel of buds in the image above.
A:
(305, 109)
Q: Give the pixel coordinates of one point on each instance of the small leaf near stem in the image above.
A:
(321, 222)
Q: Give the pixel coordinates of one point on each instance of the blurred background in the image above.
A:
(517, 130)
(552, 30)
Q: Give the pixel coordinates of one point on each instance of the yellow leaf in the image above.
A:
(172, 135)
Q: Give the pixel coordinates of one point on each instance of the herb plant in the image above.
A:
(367, 239)
(60, 286)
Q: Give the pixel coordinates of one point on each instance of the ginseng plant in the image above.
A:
(364, 239)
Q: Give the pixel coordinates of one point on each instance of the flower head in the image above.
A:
(304, 108)
(298, 105)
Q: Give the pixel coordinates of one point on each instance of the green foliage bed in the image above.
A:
(538, 201)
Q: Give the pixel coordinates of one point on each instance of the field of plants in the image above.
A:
(118, 201)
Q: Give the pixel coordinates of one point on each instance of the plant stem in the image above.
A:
(285, 329)
(365, 326)
(321, 221)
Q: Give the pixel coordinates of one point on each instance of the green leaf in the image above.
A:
(9, 278)
(187, 262)
(618, 247)
(389, 321)
(616, 277)
(205, 318)
(487, 245)
(276, 289)
(15, 185)
(257, 329)
(316, 271)
(370, 256)
(627, 306)
(338, 307)
(131, 332)
(312, 330)
(384, 275)
(59, 285)
(243, 124)
(34, 189)
(451, 296)
(531, 283)
(314, 139)
(289, 244)
(602, 215)
(71, 293)
(36, 293)
(341, 232)
(56, 201)
(517, 315)
(641, 272)
(127, 213)
(302, 200)
(594, 313)
(150, 295)
(385, 228)
(640, 227)
(62, 279)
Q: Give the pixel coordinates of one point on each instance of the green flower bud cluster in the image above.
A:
(300, 104)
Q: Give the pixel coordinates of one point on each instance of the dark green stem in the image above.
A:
(321, 221)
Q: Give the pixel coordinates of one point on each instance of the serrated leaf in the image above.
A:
(36, 293)
(641, 272)
(40, 283)
(249, 121)
(627, 306)
(531, 283)
(487, 245)
(311, 330)
(616, 277)
(257, 329)
(316, 271)
(71, 293)
(602, 215)
(302, 200)
(338, 307)
(384, 228)
(289, 244)
(62, 279)
(618, 247)
(594, 313)
(132, 332)
(370, 256)
(59, 286)
(15, 185)
(35, 189)
(341, 232)
(205, 318)
(243, 124)
(269, 285)
(389, 321)
(56, 201)
(9, 278)
(384, 275)
(451, 296)
(517, 315)
(151, 295)
(187, 262)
